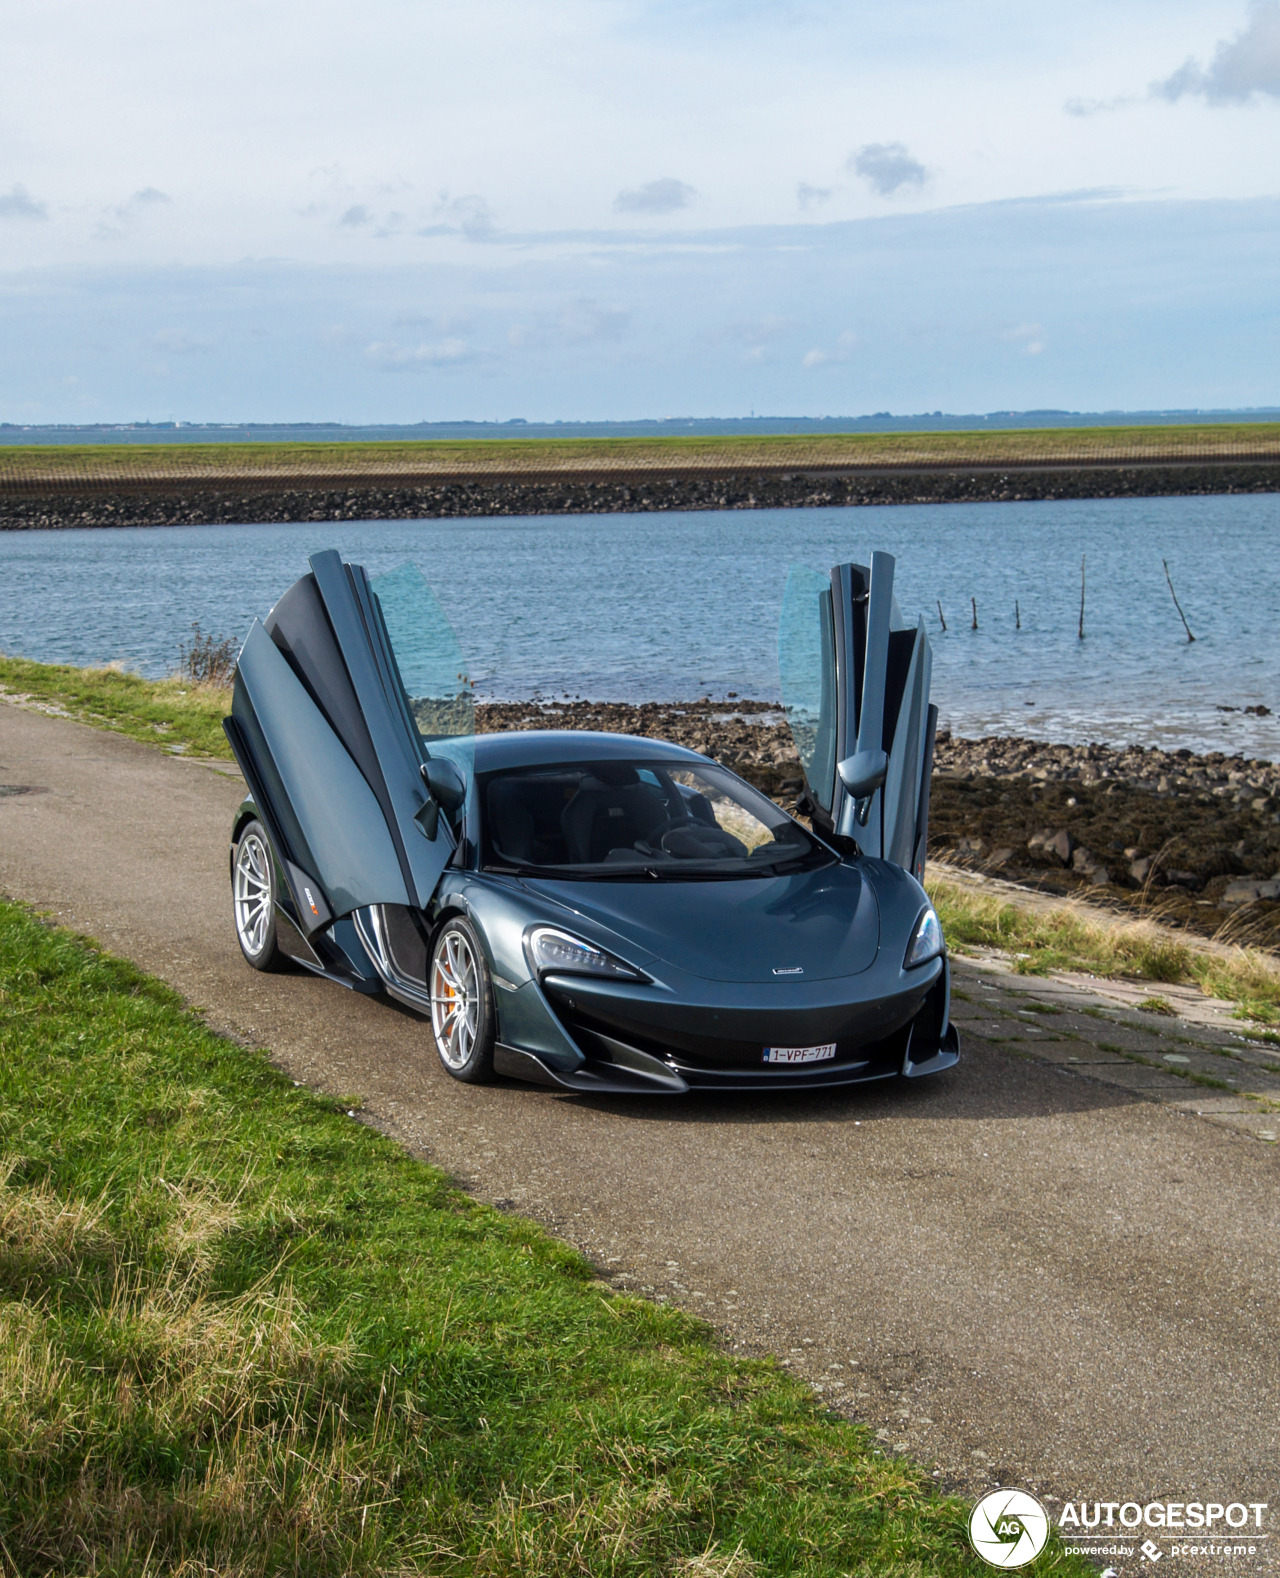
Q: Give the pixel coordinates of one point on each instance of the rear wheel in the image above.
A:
(253, 895)
(462, 1018)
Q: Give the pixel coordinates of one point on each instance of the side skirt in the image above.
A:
(296, 946)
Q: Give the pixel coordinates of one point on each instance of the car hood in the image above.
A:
(812, 926)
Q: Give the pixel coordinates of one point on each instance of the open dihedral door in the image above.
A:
(855, 684)
(332, 745)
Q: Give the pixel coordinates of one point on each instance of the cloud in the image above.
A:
(361, 217)
(470, 215)
(582, 322)
(451, 323)
(887, 166)
(177, 342)
(119, 218)
(812, 196)
(1030, 336)
(756, 335)
(448, 352)
(585, 320)
(1241, 66)
(756, 330)
(657, 197)
(1084, 106)
(18, 203)
(842, 351)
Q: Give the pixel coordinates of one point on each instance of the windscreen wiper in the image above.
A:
(792, 864)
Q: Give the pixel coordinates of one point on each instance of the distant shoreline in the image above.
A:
(52, 503)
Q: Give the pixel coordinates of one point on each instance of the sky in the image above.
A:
(404, 210)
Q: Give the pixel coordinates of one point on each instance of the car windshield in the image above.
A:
(618, 819)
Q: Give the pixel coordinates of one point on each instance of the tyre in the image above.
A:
(462, 1019)
(253, 898)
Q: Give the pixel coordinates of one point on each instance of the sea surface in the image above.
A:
(679, 605)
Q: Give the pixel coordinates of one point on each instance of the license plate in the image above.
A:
(800, 1054)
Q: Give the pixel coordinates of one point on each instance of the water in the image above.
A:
(672, 606)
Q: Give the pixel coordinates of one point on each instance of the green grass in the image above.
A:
(241, 1332)
(108, 462)
(172, 713)
(1038, 942)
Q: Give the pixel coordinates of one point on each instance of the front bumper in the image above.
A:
(631, 1043)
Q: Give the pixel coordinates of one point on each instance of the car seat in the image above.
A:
(604, 817)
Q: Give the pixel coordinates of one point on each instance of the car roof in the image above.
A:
(545, 747)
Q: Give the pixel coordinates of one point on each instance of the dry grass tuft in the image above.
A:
(39, 1226)
(198, 1220)
(1245, 976)
(207, 659)
(714, 1563)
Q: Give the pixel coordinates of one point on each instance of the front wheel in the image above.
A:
(462, 1019)
(253, 897)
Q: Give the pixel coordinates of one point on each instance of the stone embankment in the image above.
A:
(1136, 766)
(183, 503)
(1195, 839)
(1205, 828)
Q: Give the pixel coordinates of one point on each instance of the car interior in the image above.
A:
(607, 813)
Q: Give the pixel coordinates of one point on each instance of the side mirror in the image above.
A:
(864, 773)
(445, 784)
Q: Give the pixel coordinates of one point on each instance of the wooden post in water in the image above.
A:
(1176, 603)
(974, 601)
(1081, 631)
(941, 619)
(1017, 615)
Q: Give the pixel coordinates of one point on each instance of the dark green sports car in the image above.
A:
(593, 911)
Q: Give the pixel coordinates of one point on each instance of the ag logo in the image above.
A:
(1008, 1528)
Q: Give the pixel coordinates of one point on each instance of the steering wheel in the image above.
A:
(659, 830)
(694, 840)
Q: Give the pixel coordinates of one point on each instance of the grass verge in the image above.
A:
(1065, 939)
(180, 716)
(104, 463)
(242, 1333)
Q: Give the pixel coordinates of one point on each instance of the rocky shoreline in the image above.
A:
(1194, 839)
(185, 503)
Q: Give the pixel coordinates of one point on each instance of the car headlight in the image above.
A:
(926, 940)
(556, 951)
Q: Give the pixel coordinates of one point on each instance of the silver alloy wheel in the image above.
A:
(252, 891)
(455, 999)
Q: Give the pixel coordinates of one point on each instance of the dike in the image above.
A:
(243, 501)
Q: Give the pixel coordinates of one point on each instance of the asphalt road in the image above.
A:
(1018, 1274)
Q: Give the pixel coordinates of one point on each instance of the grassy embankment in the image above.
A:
(105, 463)
(242, 1333)
(181, 715)
(1039, 941)
(187, 717)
